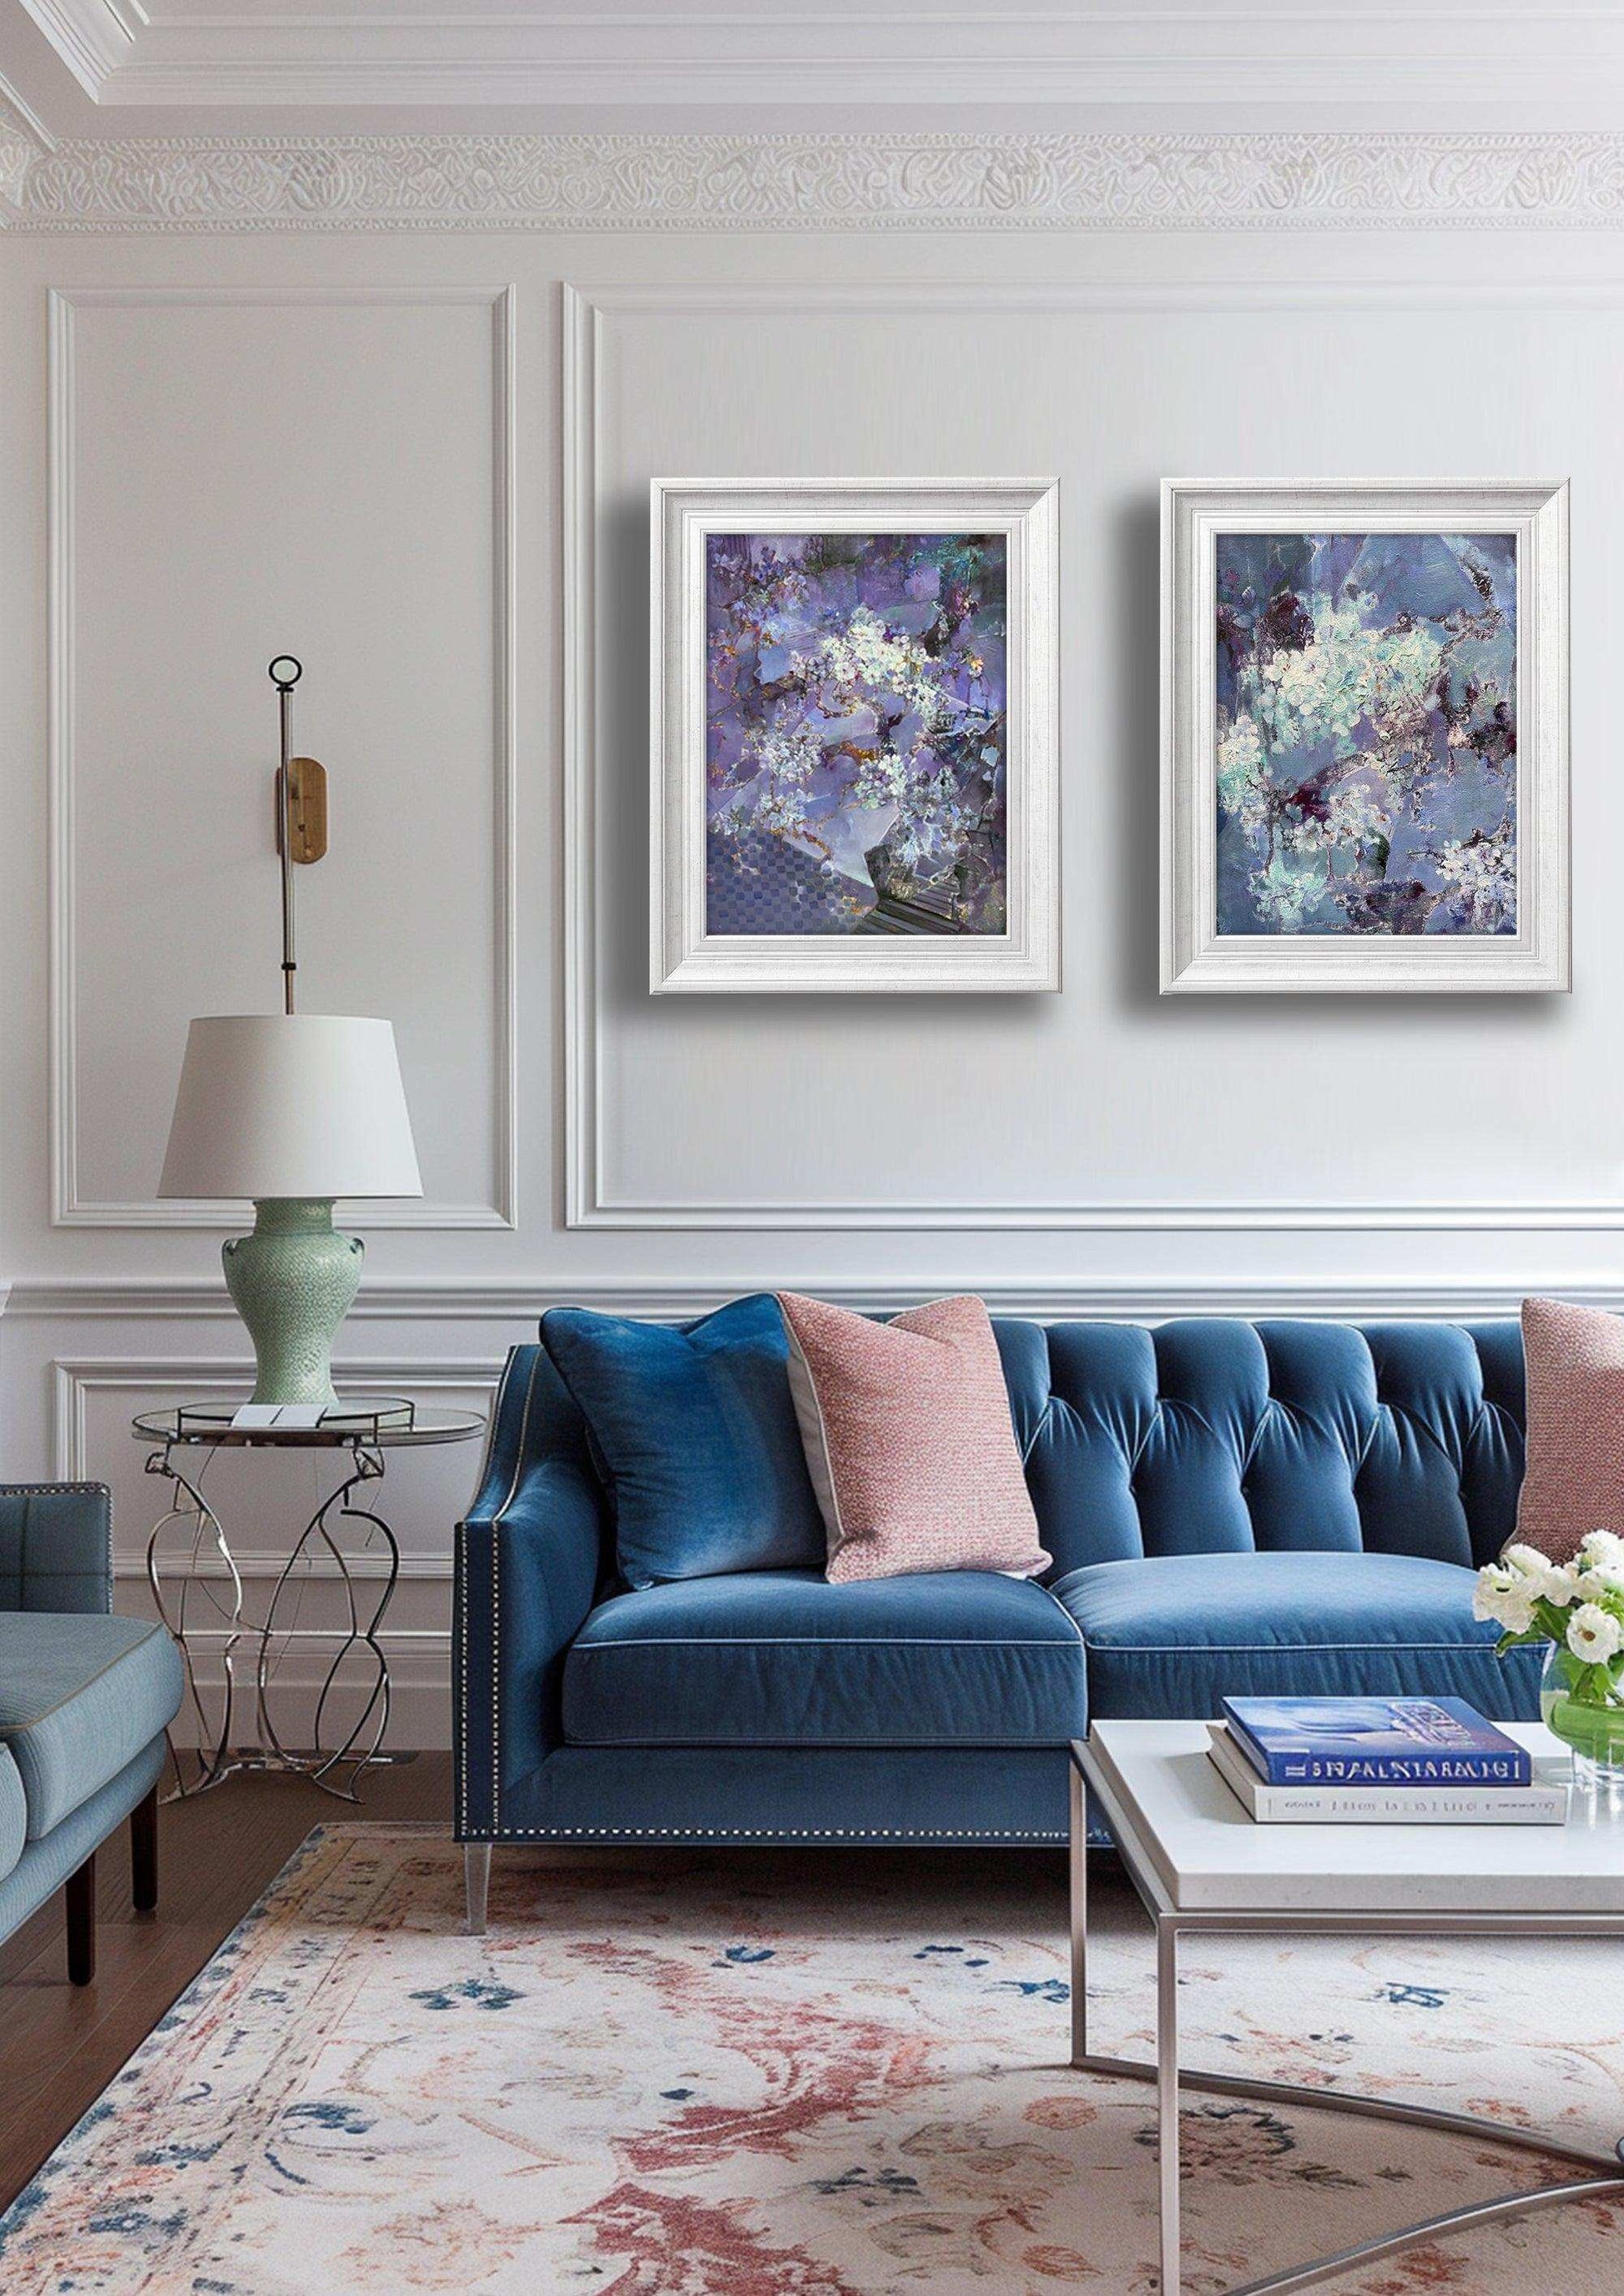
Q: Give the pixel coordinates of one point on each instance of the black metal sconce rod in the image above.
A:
(285, 673)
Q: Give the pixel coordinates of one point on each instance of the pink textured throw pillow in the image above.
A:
(908, 1440)
(1573, 1479)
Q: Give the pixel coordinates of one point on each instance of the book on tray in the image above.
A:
(1374, 1742)
(1544, 1802)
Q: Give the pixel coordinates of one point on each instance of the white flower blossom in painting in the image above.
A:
(1366, 740)
(855, 734)
(1286, 892)
(1482, 872)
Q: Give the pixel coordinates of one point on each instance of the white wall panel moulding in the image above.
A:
(142, 1379)
(516, 1308)
(591, 1200)
(824, 182)
(430, 1569)
(70, 1206)
(420, 1709)
(143, 1300)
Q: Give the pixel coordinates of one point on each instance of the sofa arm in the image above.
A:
(56, 1546)
(528, 1563)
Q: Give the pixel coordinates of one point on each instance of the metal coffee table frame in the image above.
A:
(364, 1434)
(1606, 2170)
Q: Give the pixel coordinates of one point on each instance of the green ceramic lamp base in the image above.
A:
(292, 1282)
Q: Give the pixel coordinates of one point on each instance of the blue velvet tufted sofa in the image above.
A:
(1230, 1506)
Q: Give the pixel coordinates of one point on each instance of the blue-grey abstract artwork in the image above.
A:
(1367, 736)
(855, 734)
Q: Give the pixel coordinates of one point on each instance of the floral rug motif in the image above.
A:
(798, 2074)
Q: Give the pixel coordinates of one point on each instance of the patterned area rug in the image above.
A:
(795, 2075)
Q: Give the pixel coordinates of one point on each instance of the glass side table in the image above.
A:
(191, 1533)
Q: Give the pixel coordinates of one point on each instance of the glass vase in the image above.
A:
(1584, 1706)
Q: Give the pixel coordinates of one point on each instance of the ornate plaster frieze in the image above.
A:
(812, 182)
(20, 149)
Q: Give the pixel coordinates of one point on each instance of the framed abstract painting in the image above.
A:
(854, 737)
(1364, 734)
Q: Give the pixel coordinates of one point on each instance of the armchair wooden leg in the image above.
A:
(81, 1894)
(476, 1882)
(144, 1852)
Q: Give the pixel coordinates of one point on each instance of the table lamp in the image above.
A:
(291, 1110)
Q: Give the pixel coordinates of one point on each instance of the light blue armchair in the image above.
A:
(85, 1701)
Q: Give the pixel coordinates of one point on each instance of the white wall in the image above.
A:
(355, 446)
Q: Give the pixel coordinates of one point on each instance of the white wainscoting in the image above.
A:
(89, 1392)
(264, 1500)
(70, 1401)
(285, 345)
(511, 1310)
(1112, 1156)
(724, 1092)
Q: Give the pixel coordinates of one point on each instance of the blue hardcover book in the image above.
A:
(1374, 1742)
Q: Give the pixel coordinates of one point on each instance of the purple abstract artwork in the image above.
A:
(1366, 733)
(855, 734)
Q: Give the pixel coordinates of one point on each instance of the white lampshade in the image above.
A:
(289, 1104)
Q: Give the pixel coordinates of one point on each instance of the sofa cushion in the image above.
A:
(80, 1695)
(13, 1814)
(693, 1431)
(907, 1430)
(1173, 1634)
(936, 1658)
(1573, 1480)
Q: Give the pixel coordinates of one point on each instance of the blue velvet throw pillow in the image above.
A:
(695, 1429)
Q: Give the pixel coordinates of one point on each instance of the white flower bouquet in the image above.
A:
(1578, 1608)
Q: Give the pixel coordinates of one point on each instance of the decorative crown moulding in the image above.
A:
(766, 183)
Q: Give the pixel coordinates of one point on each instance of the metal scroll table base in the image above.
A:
(1606, 2170)
(360, 1744)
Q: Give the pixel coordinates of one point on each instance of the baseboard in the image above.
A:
(419, 1712)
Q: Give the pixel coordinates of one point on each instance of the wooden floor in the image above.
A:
(60, 2044)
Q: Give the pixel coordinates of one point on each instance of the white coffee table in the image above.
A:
(1200, 1863)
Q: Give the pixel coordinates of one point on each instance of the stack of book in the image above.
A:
(1380, 1761)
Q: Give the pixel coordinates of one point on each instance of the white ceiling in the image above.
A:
(122, 68)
